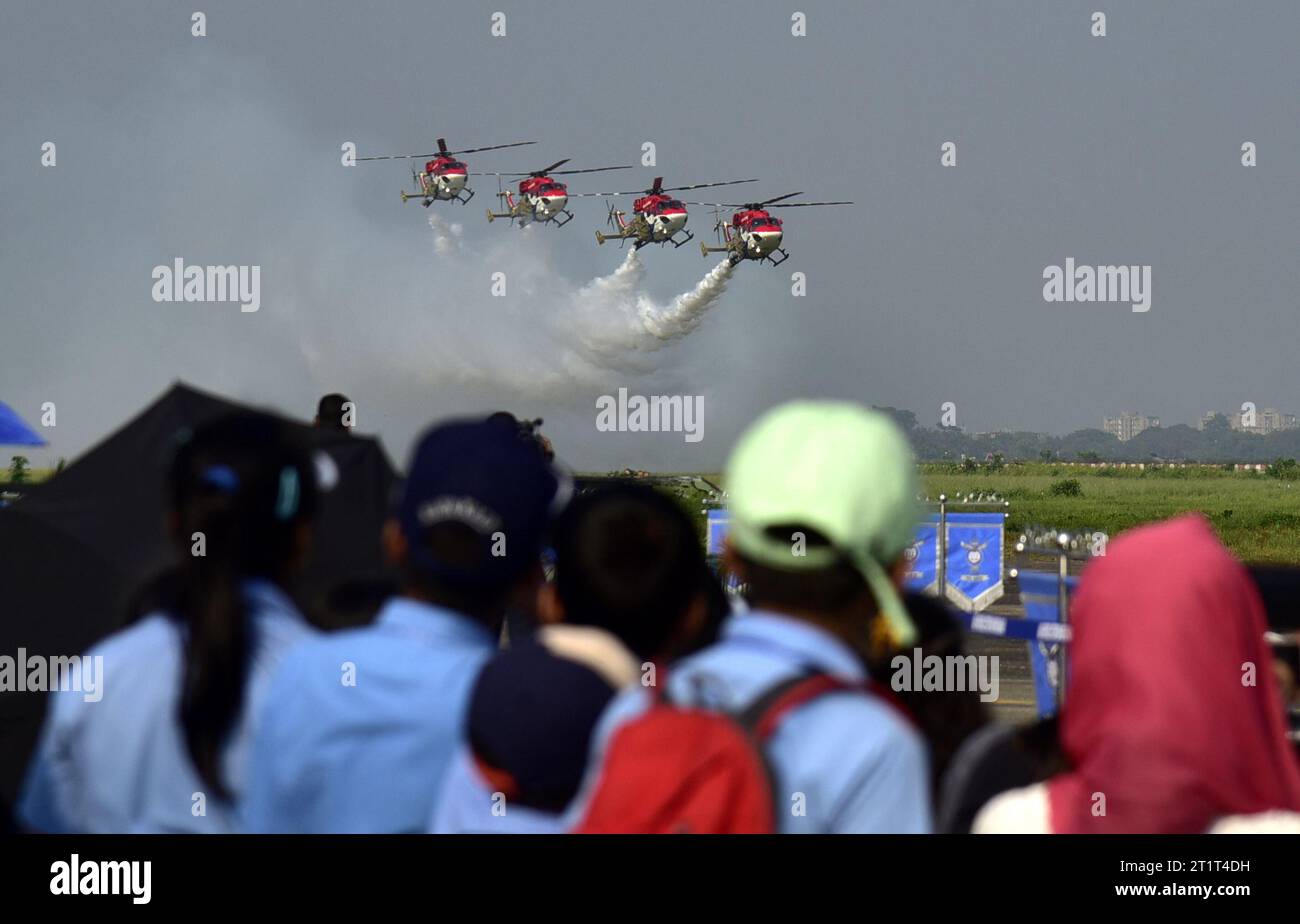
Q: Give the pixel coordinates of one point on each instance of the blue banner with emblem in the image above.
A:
(974, 566)
(716, 524)
(974, 555)
(922, 559)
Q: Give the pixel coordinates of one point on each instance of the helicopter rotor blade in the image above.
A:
(543, 172)
(746, 205)
(546, 170)
(703, 185)
(796, 205)
(398, 156)
(589, 169)
(490, 147)
(766, 202)
(662, 189)
(443, 152)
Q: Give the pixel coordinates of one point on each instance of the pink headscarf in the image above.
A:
(1159, 717)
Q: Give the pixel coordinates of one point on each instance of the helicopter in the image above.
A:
(541, 198)
(753, 233)
(445, 176)
(657, 217)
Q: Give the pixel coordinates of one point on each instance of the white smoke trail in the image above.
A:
(687, 311)
(616, 317)
(548, 338)
(446, 235)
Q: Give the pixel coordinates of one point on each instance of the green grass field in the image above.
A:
(1257, 516)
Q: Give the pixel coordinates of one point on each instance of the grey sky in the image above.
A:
(225, 149)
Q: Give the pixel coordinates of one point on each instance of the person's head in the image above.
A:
(242, 497)
(1280, 589)
(333, 413)
(534, 706)
(822, 497)
(473, 512)
(528, 430)
(628, 560)
(1170, 710)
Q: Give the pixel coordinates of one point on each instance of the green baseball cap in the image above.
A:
(835, 467)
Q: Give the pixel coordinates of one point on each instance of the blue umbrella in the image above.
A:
(13, 432)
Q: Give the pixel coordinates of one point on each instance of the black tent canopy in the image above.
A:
(74, 550)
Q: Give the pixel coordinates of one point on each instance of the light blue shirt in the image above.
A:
(360, 726)
(467, 805)
(843, 763)
(119, 764)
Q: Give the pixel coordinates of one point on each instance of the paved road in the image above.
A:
(1015, 702)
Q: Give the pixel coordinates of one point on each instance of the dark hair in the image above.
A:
(945, 718)
(530, 431)
(627, 559)
(825, 589)
(459, 546)
(330, 410)
(244, 483)
(503, 417)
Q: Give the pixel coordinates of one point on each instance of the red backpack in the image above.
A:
(678, 769)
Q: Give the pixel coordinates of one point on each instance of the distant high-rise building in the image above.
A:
(1128, 425)
(1271, 419)
(1268, 420)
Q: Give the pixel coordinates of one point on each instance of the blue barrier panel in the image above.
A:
(1004, 627)
(715, 535)
(1038, 594)
(716, 523)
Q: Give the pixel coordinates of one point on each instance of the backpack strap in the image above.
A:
(887, 695)
(762, 717)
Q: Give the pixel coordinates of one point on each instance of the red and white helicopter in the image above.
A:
(753, 233)
(445, 176)
(541, 198)
(657, 217)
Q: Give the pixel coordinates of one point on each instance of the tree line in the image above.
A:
(1217, 443)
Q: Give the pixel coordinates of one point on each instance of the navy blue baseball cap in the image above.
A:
(529, 724)
(535, 705)
(481, 475)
